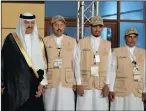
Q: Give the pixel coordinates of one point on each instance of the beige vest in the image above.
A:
(87, 57)
(65, 74)
(125, 84)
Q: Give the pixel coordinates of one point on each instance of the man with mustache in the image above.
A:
(23, 67)
(63, 68)
(127, 80)
(95, 58)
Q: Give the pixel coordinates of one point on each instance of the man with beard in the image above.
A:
(63, 68)
(128, 82)
(23, 67)
(95, 54)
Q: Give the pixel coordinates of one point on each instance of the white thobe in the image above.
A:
(28, 43)
(62, 98)
(129, 102)
(27, 39)
(92, 99)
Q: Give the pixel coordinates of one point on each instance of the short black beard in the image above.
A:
(96, 35)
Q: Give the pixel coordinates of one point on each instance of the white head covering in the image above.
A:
(36, 51)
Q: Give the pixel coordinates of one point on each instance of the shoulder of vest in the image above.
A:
(106, 42)
(45, 39)
(141, 50)
(119, 49)
(69, 38)
(84, 39)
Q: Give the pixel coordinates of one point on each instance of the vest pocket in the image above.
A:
(49, 77)
(67, 57)
(102, 81)
(103, 64)
(120, 85)
(140, 61)
(122, 68)
(68, 52)
(51, 53)
(85, 76)
(69, 75)
(86, 59)
(140, 87)
(53, 75)
(120, 74)
(50, 63)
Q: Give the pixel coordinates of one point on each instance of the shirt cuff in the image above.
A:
(78, 81)
(44, 82)
(107, 81)
(108, 85)
(111, 89)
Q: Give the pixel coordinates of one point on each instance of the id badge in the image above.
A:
(97, 58)
(95, 70)
(136, 74)
(57, 63)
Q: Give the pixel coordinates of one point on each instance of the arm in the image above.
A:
(112, 77)
(44, 82)
(109, 68)
(41, 86)
(76, 64)
(105, 90)
(113, 72)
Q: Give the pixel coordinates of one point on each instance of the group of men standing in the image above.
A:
(41, 74)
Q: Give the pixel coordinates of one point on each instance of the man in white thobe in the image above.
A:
(63, 68)
(127, 80)
(95, 58)
(23, 66)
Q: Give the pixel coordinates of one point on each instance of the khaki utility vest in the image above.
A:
(125, 83)
(87, 57)
(65, 74)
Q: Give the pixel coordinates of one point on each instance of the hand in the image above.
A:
(40, 91)
(2, 90)
(74, 87)
(144, 96)
(80, 90)
(105, 91)
(111, 96)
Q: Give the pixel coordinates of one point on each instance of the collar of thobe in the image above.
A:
(95, 38)
(27, 36)
(131, 50)
(95, 43)
(131, 53)
(58, 40)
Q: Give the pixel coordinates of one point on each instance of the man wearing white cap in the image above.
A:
(95, 61)
(128, 82)
(63, 68)
(23, 67)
